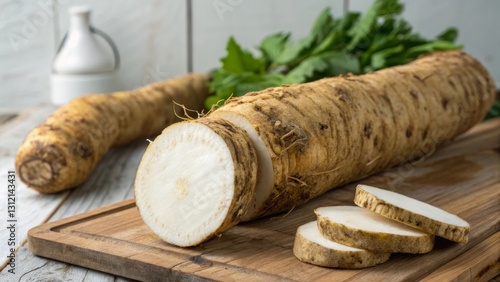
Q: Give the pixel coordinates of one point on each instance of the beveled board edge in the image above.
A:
(137, 261)
(45, 241)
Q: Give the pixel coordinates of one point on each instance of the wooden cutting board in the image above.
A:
(462, 178)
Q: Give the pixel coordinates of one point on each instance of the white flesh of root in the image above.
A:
(361, 228)
(413, 213)
(265, 166)
(311, 247)
(185, 184)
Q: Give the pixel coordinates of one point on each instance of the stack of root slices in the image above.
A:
(384, 222)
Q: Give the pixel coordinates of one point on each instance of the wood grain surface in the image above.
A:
(463, 178)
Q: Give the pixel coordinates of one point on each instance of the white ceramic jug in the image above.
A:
(85, 63)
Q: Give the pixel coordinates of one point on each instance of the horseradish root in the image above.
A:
(364, 229)
(196, 180)
(312, 137)
(62, 152)
(315, 136)
(311, 247)
(412, 212)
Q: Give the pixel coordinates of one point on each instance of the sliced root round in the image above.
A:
(413, 213)
(361, 228)
(311, 247)
(196, 180)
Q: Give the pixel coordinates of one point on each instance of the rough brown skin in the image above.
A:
(451, 232)
(62, 152)
(327, 133)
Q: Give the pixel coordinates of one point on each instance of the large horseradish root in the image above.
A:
(311, 247)
(360, 228)
(315, 136)
(412, 212)
(308, 139)
(196, 180)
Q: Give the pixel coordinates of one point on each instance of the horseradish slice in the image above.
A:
(311, 247)
(413, 213)
(361, 228)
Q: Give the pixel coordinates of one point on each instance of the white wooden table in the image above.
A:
(111, 182)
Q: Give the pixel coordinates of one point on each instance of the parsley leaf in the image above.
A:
(239, 60)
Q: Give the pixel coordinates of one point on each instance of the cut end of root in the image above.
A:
(265, 174)
(36, 173)
(194, 182)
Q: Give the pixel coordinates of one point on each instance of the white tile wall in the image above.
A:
(249, 22)
(153, 35)
(26, 48)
